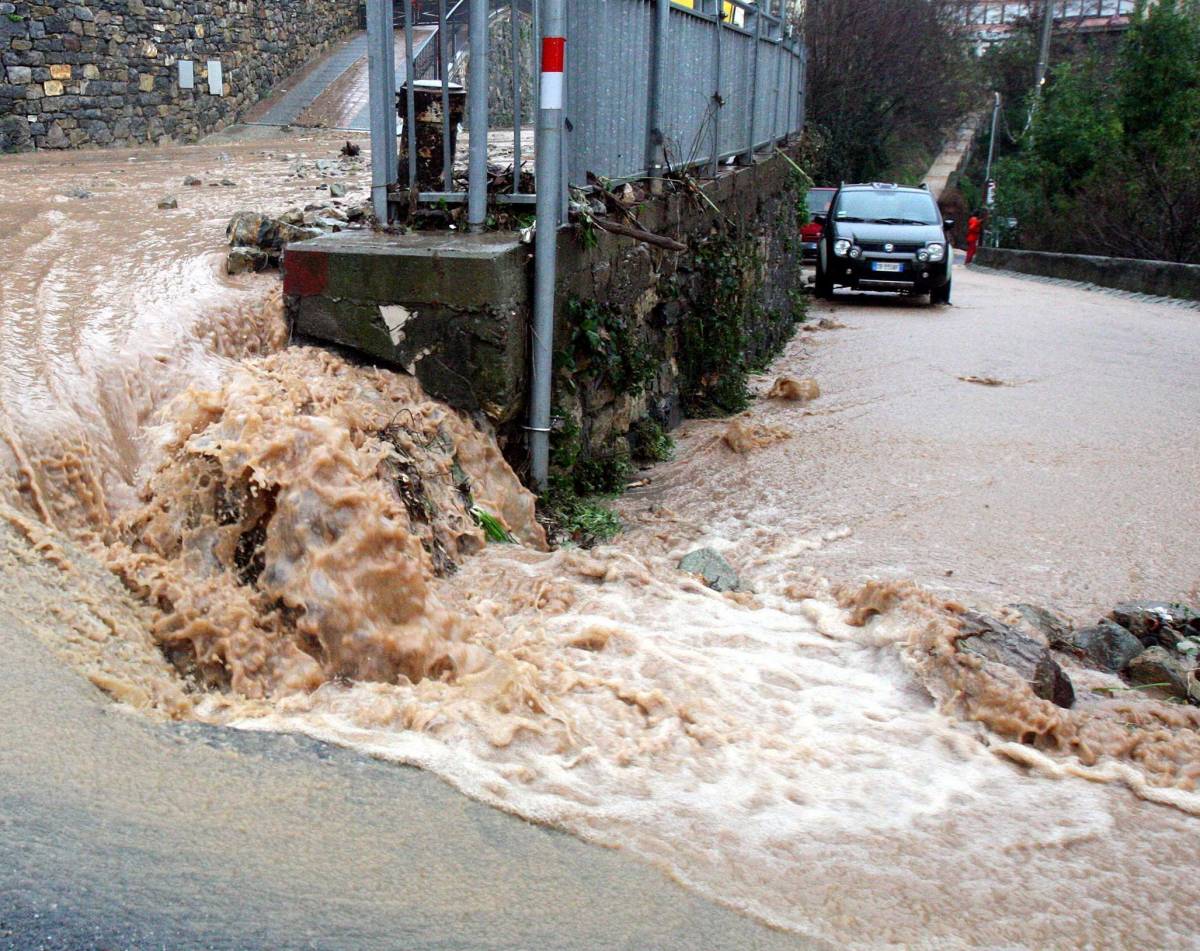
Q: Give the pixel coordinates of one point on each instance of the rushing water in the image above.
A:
(299, 532)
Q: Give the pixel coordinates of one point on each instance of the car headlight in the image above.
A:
(841, 247)
(937, 251)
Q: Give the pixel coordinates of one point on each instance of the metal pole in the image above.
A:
(747, 157)
(987, 175)
(379, 33)
(515, 45)
(389, 109)
(477, 189)
(1043, 62)
(444, 75)
(656, 153)
(549, 166)
(410, 105)
(717, 101)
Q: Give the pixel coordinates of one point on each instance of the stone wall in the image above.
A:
(1155, 278)
(642, 333)
(106, 72)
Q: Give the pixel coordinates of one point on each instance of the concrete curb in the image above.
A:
(1160, 280)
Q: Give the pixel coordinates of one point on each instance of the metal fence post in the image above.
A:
(747, 157)
(478, 80)
(444, 64)
(515, 47)
(410, 104)
(380, 46)
(717, 100)
(656, 153)
(549, 185)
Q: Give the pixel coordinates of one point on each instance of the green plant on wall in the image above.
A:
(606, 350)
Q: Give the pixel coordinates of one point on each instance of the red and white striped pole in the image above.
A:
(549, 201)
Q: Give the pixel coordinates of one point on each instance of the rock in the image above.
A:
(337, 189)
(228, 183)
(357, 213)
(1157, 622)
(256, 230)
(743, 435)
(293, 216)
(786, 388)
(192, 180)
(169, 202)
(78, 193)
(715, 570)
(56, 138)
(1157, 665)
(1106, 646)
(999, 643)
(1043, 624)
(241, 260)
(14, 134)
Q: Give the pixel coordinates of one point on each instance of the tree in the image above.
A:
(883, 74)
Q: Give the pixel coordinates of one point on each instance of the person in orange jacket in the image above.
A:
(974, 233)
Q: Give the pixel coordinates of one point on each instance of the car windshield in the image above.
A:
(818, 200)
(889, 207)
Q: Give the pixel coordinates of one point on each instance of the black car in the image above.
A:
(881, 237)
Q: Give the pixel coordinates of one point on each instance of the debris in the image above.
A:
(828, 323)
(192, 180)
(716, 572)
(786, 388)
(78, 193)
(742, 435)
(228, 183)
(984, 380)
(350, 149)
(337, 189)
(1157, 622)
(999, 643)
(170, 201)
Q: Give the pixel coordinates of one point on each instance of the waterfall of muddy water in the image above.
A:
(110, 305)
(301, 549)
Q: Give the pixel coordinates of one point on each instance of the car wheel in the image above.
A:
(940, 295)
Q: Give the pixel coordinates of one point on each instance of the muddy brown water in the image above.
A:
(278, 541)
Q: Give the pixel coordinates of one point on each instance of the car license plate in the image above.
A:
(892, 266)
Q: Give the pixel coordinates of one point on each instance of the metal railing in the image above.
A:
(650, 86)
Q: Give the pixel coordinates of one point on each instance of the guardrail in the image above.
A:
(1137, 275)
(650, 86)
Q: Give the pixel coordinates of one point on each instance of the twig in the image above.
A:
(640, 234)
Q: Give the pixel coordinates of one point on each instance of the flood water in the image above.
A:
(812, 750)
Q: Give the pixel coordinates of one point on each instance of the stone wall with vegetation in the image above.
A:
(647, 336)
(105, 72)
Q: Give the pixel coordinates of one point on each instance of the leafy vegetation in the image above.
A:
(1108, 162)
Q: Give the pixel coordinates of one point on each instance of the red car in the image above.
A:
(810, 234)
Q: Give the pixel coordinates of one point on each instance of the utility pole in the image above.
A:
(989, 187)
(1043, 63)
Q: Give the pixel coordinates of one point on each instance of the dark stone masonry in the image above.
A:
(108, 72)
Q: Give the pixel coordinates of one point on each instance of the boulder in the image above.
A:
(1043, 625)
(1106, 646)
(192, 180)
(717, 573)
(243, 259)
(256, 230)
(14, 134)
(1157, 622)
(169, 202)
(1000, 643)
(337, 190)
(1158, 666)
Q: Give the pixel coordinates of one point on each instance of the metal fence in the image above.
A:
(650, 86)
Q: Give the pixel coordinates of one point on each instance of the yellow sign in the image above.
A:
(731, 15)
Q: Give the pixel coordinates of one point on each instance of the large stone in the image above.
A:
(20, 75)
(1158, 666)
(1106, 646)
(241, 260)
(717, 573)
(52, 87)
(999, 643)
(1157, 622)
(1042, 625)
(15, 135)
(60, 71)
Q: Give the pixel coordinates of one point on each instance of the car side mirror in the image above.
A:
(820, 219)
(949, 223)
